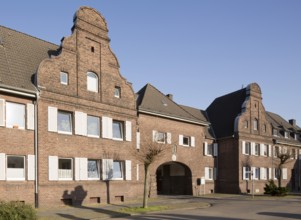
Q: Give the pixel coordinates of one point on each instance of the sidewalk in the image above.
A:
(105, 211)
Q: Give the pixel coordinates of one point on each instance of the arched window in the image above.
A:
(92, 82)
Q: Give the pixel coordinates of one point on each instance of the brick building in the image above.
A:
(186, 133)
(69, 122)
(249, 138)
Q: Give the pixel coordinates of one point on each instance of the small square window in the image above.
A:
(186, 141)
(117, 92)
(93, 126)
(64, 122)
(160, 137)
(64, 78)
(118, 130)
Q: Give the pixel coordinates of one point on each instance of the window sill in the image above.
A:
(65, 179)
(117, 139)
(92, 136)
(16, 179)
(65, 132)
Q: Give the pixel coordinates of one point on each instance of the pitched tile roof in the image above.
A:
(20, 56)
(152, 101)
(223, 111)
(280, 123)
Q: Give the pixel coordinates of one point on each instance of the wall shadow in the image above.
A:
(283, 215)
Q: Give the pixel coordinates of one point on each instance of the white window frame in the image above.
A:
(70, 170)
(209, 173)
(121, 127)
(98, 164)
(286, 134)
(246, 174)
(22, 114)
(64, 78)
(117, 92)
(122, 167)
(70, 121)
(15, 171)
(92, 82)
(255, 124)
(248, 148)
(98, 124)
(257, 149)
(187, 138)
(156, 137)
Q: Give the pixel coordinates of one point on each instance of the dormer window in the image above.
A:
(296, 136)
(275, 132)
(286, 134)
(92, 82)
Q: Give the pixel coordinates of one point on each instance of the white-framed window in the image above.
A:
(247, 148)
(256, 173)
(296, 136)
(117, 92)
(264, 150)
(286, 134)
(92, 82)
(15, 168)
(15, 115)
(264, 173)
(93, 129)
(118, 130)
(255, 124)
(209, 173)
(277, 151)
(246, 173)
(118, 170)
(257, 149)
(159, 137)
(275, 132)
(94, 169)
(65, 169)
(64, 79)
(64, 122)
(186, 141)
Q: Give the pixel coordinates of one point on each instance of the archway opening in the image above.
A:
(174, 178)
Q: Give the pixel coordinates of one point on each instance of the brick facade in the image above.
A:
(59, 133)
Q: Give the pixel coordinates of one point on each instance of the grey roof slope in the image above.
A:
(151, 100)
(223, 111)
(20, 56)
(278, 122)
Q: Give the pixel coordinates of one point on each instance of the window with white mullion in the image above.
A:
(118, 128)
(64, 122)
(65, 169)
(94, 169)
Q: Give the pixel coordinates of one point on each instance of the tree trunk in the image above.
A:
(146, 186)
(279, 176)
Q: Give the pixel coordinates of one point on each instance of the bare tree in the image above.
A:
(282, 158)
(147, 154)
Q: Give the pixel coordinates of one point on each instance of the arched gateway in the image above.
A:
(174, 178)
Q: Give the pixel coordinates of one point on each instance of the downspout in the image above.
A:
(36, 190)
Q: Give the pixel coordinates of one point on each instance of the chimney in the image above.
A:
(292, 122)
(170, 96)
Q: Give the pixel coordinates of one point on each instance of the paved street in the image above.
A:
(235, 208)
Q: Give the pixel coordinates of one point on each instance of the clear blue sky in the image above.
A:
(195, 49)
